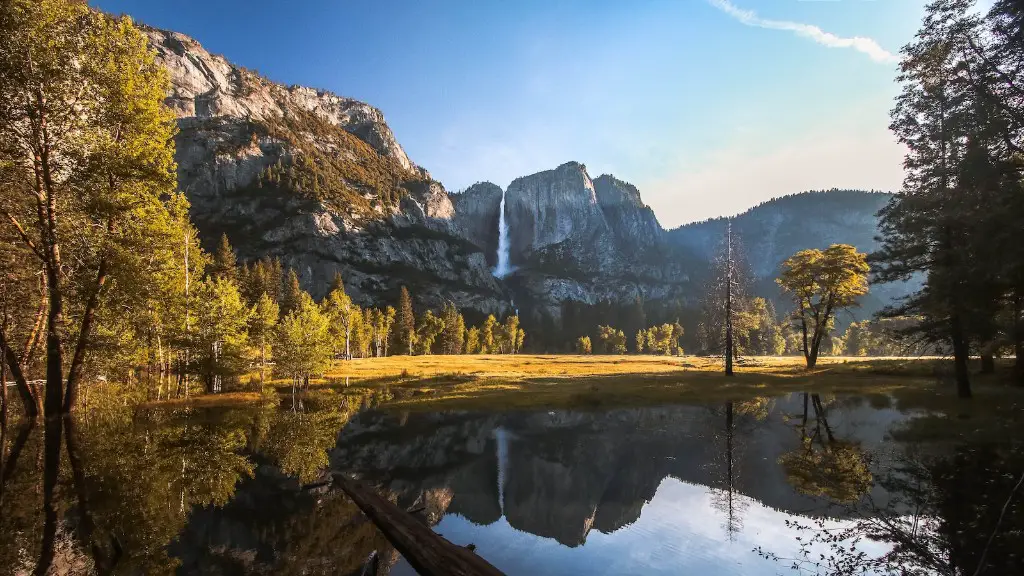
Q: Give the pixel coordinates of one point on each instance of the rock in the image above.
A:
(318, 181)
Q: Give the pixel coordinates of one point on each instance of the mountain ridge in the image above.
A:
(320, 181)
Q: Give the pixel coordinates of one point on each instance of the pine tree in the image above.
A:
(405, 335)
(454, 329)
(224, 265)
(291, 293)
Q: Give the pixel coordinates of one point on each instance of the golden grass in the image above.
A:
(561, 381)
(502, 382)
(202, 400)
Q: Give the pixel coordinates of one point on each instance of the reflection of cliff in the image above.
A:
(569, 472)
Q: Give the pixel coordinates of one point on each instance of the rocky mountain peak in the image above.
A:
(205, 85)
(551, 207)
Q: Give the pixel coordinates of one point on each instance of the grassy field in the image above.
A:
(564, 381)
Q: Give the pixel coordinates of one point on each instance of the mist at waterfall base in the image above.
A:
(503, 268)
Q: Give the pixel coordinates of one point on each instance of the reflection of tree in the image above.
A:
(298, 441)
(823, 465)
(128, 484)
(20, 501)
(725, 498)
(142, 479)
(954, 514)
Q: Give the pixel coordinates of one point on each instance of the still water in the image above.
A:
(799, 484)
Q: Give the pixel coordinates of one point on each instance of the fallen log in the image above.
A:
(426, 551)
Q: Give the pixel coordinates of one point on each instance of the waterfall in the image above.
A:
(502, 269)
(501, 447)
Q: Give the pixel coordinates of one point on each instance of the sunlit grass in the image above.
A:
(546, 381)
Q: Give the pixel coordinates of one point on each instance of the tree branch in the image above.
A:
(24, 235)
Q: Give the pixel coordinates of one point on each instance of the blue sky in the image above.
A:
(708, 106)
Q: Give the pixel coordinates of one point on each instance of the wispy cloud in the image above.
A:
(864, 45)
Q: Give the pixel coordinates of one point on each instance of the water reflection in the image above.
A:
(814, 484)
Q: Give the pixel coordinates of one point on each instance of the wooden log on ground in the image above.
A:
(429, 553)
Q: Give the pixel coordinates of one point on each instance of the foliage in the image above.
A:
(303, 345)
(405, 335)
(822, 283)
(956, 223)
(220, 339)
(583, 345)
(262, 324)
(342, 314)
(612, 341)
(430, 327)
(86, 161)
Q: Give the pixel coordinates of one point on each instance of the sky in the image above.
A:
(708, 106)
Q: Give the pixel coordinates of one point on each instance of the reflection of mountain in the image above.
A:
(569, 472)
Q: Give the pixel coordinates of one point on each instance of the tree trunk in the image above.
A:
(988, 363)
(812, 354)
(803, 331)
(1018, 339)
(3, 403)
(961, 353)
(53, 435)
(728, 303)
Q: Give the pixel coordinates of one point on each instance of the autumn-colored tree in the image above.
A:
(509, 334)
(472, 341)
(583, 345)
(487, 336)
(822, 283)
(220, 337)
(612, 341)
(430, 327)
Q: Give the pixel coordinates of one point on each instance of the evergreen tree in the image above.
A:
(405, 336)
(291, 293)
(224, 264)
(454, 329)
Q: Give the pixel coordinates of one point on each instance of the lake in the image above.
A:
(797, 484)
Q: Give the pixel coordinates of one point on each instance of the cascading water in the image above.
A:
(501, 447)
(503, 268)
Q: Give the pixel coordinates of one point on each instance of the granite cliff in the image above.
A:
(317, 180)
